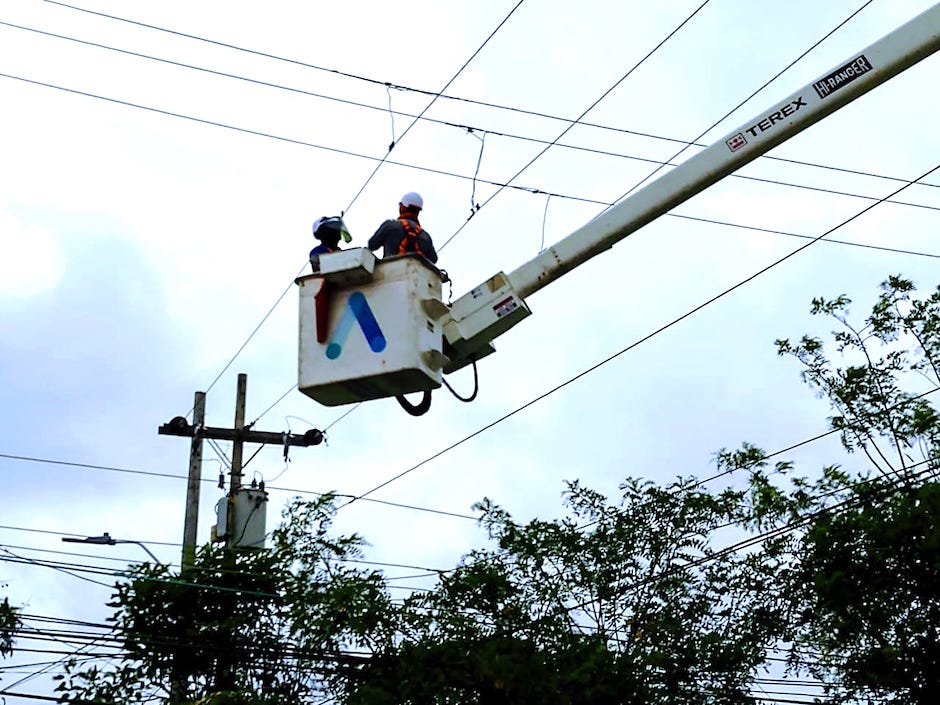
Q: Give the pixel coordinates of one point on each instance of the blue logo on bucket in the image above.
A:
(357, 311)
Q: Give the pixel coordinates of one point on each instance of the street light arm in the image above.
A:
(107, 540)
(140, 543)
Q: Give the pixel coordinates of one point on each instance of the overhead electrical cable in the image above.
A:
(41, 669)
(499, 185)
(464, 177)
(258, 133)
(832, 509)
(930, 471)
(711, 478)
(768, 456)
(712, 221)
(374, 500)
(50, 461)
(377, 82)
(645, 338)
(102, 570)
(434, 100)
(399, 87)
(251, 335)
(568, 127)
(294, 652)
(848, 243)
(752, 95)
(686, 144)
(470, 128)
(578, 120)
(34, 696)
(751, 541)
(382, 161)
(13, 558)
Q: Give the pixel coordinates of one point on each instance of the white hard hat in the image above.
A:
(412, 200)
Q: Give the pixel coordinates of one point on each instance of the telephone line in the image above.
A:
(711, 221)
(433, 100)
(409, 89)
(289, 140)
(102, 570)
(604, 95)
(459, 126)
(644, 339)
(377, 82)
(810, 243)
(845, 505)
(754, 93)
(440, 172)
(109, 468)
(578, 121)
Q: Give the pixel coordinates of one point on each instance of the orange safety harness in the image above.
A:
(409, 243)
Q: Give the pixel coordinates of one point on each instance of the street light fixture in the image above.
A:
(107, 540)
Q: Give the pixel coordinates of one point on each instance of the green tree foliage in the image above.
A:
(669, 594)
(9, 623)
(633, 602)
(262, 627)
(865, 584)
(617, 602)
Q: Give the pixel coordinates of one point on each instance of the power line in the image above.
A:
(438, 571)
(400, 87)
(371, 176)
(440, 172)
(19, 559)
(44, 698)
(383, 160)
(427, 460)
(100, 570)
(754, 93)
(377, 82)
(578, 120)
(846, 505)
(109, 468)
(434, 99)
(829, 241)
(712, 221)
(259, 133)
(470, 128)
(644, 339)
(252, 335)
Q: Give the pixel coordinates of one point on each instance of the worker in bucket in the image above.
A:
(329, 230)
(404, 235)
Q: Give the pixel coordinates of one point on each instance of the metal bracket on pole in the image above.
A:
(239, 435)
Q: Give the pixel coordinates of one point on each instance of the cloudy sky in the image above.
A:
(162, 163)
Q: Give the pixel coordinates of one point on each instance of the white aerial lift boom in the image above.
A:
(373, 328)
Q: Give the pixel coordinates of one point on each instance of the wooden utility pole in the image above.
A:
(238, 444)
(191, 518)
(239, 435)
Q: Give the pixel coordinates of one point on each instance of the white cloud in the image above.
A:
(31, 260)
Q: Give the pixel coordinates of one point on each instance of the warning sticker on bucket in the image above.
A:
(505, 307)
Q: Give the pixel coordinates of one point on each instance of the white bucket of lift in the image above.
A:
(370, 328)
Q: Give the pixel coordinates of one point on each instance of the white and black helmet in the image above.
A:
(331, 228)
